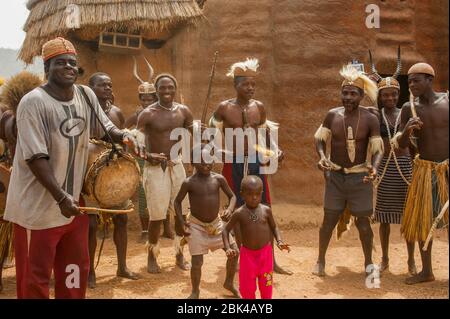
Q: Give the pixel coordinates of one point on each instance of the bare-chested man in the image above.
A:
(147, 96)
(427, 123)
(354, 131)
(244, 112)
(163, 176)
(101, 84)
(204, 228)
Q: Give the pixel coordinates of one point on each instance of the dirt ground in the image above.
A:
(299, 224)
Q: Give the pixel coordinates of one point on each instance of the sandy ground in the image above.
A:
(299, 224)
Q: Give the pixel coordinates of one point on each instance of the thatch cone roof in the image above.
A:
(47, 19)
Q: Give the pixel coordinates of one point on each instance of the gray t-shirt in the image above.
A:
(61, 131)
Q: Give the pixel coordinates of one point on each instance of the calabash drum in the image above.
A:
(111, 178)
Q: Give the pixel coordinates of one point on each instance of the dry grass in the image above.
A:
(16, 87)
(47, 18)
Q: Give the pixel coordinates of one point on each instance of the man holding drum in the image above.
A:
(54, 125)
(101, 84)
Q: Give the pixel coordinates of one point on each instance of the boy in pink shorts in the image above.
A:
(257, 227)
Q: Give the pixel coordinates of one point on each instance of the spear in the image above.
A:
(211, 77)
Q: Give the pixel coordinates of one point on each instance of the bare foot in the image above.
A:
(419, 278)
(126, 273)
(194, 295)
(384, 265)
(92, 280)
(319, 270)
(152, 265)
(182, 263)
(277, 269)
(412, 270)
(231, 288)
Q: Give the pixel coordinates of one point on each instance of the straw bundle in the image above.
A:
(16, 87)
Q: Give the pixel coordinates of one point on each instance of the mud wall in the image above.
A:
(301, 46)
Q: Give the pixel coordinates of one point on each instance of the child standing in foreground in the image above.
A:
(257, 227)
(203, 230)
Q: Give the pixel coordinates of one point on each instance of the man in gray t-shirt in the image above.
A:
(54, 125)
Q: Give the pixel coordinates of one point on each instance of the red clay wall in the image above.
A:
(301, 46)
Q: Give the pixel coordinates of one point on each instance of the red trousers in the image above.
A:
(62, 249)
(256, 265)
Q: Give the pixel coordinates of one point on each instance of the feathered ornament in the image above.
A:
(357, 78)
(247, 68)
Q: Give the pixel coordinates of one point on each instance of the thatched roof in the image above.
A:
(47, 19)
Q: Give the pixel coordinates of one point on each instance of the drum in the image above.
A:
(111, 182)
(5, 174)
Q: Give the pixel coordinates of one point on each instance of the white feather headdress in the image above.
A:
(246, 68)
(357, 78)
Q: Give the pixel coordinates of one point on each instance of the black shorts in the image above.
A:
(344, 190)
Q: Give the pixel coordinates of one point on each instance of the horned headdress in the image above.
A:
(390, 81)
(146, 87)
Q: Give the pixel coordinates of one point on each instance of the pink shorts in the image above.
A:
(256, 265)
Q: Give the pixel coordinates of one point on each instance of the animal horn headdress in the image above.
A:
(146, 87)
(387, 82)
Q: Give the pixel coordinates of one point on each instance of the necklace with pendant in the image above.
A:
(351, 138)
(244, 109)
(253, 216)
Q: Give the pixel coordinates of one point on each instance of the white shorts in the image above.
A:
(161, 189)
(200, 242)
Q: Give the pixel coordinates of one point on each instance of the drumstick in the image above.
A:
(433, 227)
(103, 210)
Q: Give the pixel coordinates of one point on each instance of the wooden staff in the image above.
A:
(211, 77)
(103, 210)
(433, 227)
